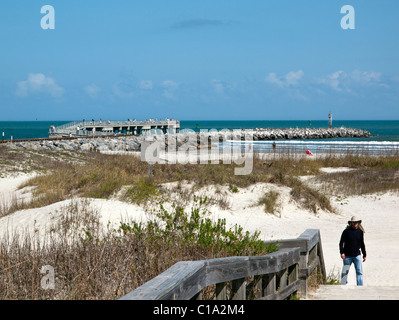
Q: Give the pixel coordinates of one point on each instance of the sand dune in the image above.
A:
(379, 213)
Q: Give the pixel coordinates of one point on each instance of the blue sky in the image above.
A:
(199, 60)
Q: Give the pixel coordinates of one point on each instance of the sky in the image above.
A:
(199, 60)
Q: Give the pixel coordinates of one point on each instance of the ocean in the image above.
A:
(384, 139)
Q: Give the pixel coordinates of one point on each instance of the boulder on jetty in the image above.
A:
(300, 133)
(120, 143)
(189, 138)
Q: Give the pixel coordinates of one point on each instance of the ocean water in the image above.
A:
(384, 139)
(27, 129)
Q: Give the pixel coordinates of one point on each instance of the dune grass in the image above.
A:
(361, 181)
(96, 175)
(92, 263)
(270, 201)
(101, 176)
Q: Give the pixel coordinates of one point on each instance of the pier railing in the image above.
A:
(275, 276)
(106, 128)
(69, 125)
(75, 124)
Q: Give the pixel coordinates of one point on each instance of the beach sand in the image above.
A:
(379, 213)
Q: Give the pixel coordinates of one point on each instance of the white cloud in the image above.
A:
(366, 77)
(334, 80)
(218, 86)
(272, 78)
(292, 78)
(223, 87)
(146, 85)
(39, 83)
(170, 84)
(343, 81)
(92, 90)
(169, 89)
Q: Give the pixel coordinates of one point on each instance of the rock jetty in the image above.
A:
(131, 143)
(190, 138)
(306, 133)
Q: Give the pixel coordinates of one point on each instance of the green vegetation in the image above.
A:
(362, 181)
(92, 263)
(95, 175)
(269, 201)
(143, 192)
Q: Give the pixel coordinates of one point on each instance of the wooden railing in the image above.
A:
(275, 276)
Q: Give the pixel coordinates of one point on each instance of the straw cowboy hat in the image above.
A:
(356, 219)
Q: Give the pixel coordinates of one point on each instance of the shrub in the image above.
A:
(143, 192)
(269, 201)
(195, 231)
(96, 263)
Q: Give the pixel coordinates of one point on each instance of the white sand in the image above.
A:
(378, 212)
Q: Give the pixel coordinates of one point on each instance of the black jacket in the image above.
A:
(352, 241)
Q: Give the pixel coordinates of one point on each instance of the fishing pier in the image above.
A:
(111, 128)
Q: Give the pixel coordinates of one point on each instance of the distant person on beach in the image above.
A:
(274, 146)
(352, 241)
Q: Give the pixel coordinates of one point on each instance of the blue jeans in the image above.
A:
(357, 261)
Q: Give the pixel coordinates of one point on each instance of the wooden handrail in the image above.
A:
(275, 276)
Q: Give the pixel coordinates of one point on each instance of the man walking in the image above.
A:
(352, 241)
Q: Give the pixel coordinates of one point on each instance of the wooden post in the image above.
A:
(303, 264)
(221, 291)
(283, 279)
(293, 273)
(269, 284)
(313, 254)
(257, 287)
(321, 260)
(254, 287)
(238, 289)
